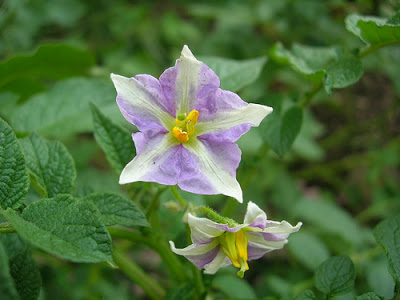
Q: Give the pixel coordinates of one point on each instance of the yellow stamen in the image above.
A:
(180, 135)
(185, 126)
(234, 245)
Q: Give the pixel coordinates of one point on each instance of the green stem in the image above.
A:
(310, 95)
(211, 214)
(157, 244)
(6, 228)
(134, 272)
(178, 197)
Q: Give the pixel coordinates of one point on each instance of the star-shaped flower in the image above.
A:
(188, 128)
(216, 245)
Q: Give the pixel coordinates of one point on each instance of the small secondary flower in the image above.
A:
(216, 245)
(188, 128)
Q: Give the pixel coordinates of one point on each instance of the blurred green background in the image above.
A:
(340, 178)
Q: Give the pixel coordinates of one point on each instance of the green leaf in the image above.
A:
(115, 141)
(308, 249)
(307, 61)
(23, 268)
(335, 276)
(66, 227)
(281, 129)
(7, 287)
(235, 75)
(368, 296)
(64, 109)
(306, 295)
(378, 277)
(50, 165)
(234, 287)
(387, 233)
(342, 73)
(115, 209)
(182, 292)
(330, 218)
(50, 61)
(321, 63)
(14, 179)
(377, 32)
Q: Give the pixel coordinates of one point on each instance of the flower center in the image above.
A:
(184, 126)
(234, 244)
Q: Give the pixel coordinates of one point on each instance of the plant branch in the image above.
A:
(136, 274)
(6, 228)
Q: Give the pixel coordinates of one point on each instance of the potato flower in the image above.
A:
(188, 128)
(216, 245)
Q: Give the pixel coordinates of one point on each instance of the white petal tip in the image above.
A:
(186, 53)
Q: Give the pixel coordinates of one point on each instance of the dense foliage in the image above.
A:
(327, 156)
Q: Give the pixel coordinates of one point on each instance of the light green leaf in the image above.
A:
(14, 179)
(23, 268)
(377, 32)
(64, 109)
(387, 233)
(368, 296)
(281, 129)
(115, 141)
(335, 276)
(330, 218)
(115, 209)
(308, 249)
(234, 287)
(7, 287)
(50, 165)
(234, 75)
(379, 279)
(307, 61)
(342, 73)
(64, 226)
(306, 295)
(50, 61)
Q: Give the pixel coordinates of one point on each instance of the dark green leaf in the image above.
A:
(115, 141)
(14, 179)
(306, 295)
(335, 276)
(50, 165)
(343, 72)
(7, 287)
(234, 75)
(115, 209)
(182, 292)
(308, 249)
(66, 227)
(64, 109)
(377, 32)
(280, 131)
(368, 296)
(387, 233)
(22, 267)
(50, 61)
(306, 60)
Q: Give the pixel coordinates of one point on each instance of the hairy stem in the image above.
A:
(136, 274)
(156, 243)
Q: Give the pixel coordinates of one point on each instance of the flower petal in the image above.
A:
(203, 229)
(153, 161)
(220, 260)
(260, 243)
(142, 102)
(255, 217)
(198, 254)
(220, 173)
(250, 114)
(188, 82)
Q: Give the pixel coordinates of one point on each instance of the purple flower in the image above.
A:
(188, 128)
(216, 245)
